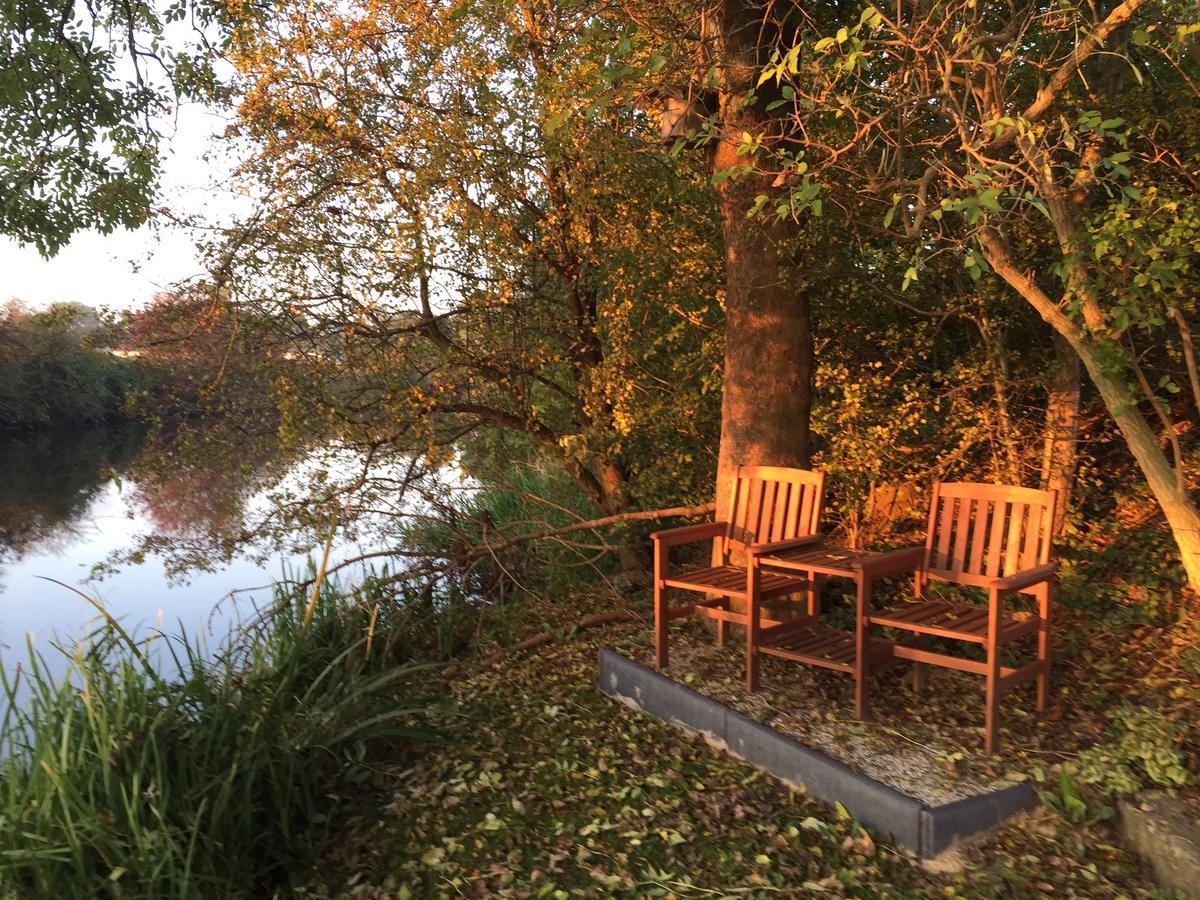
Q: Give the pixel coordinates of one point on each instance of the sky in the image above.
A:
(126, 268)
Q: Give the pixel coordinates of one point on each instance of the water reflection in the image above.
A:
(50, 481)
(72, 502)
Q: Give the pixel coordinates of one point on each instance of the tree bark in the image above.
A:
(767, 400)
(1061, 435)
(997, 355)
(1168, 486)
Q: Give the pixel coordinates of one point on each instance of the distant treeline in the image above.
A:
(54, 370)
(183, 354)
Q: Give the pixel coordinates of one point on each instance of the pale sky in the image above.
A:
(126, 268)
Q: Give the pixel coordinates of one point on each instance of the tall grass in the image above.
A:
(217, 781)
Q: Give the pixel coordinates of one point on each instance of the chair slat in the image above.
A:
(962, 527)
(1033, 538)
(779, 523)
(942, 560)
(806, 511)
(996, 540)
(750, 525)
(979, 536)
(766, 518)
(1012, 550)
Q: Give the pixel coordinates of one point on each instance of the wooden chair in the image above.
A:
(992, 537)
(771, 509)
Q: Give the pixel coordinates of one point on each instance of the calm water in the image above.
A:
(70, 500)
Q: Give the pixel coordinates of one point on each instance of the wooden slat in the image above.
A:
(996, 539)
(806, 510)
(973, 622)
(919, 612)
(945, 516)
(766, 518)
(779, 524)
(930, 526)
(1010, 678)
(999, 492)
(731, 581)
(962, 529)
(979, 536)
(750, 523)
(1012, 550)
(1033, 538)
(963, 578)
(940, 659)
(825, 642)
(792, 514)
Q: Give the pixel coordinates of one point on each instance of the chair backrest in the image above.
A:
(978, 532)
(772, 503)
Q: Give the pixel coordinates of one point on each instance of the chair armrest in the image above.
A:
(688, 533)
(780, 546)
(906, 559)
(1020, 580)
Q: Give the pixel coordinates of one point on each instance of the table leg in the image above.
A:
(862, 708)
(814, 593)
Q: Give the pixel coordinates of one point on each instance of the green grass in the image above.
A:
(217, 781)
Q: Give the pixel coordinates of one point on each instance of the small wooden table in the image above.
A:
(807, 641)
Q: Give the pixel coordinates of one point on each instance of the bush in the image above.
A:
(1146, 748)
(50, 376)
(118, 782)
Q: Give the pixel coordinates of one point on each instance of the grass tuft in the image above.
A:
(218, 780)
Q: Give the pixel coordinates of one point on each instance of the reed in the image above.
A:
(218, 779)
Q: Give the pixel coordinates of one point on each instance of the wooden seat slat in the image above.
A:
(825, 647)
(732, 580)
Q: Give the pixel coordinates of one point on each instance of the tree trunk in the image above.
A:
(997, 355)
(1061, 435)
(632, 552)
(1168, 486)
(767, 401)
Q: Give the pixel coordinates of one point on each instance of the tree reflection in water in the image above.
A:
(52, 477)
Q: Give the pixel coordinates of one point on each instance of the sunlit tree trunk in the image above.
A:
(998, 363)
(1167, 483)
(767, 401)
(1061, 434)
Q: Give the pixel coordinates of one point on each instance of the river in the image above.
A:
(71, 500)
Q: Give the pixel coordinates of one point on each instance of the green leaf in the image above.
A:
(990, 199)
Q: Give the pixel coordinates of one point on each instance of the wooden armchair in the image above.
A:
(992, 537)
(771, 509)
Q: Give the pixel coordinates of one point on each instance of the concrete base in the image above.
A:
(925, 830)
(1160, 829)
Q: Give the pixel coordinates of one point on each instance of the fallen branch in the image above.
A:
(603, 522)
(490, 549)
(539, 640)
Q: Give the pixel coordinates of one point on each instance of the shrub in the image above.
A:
(1146, 748)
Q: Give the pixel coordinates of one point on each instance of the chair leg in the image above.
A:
(992, 701)
(722, 625)
(1043, 679)
(918, 673)
(814, 594)
(752, 598)
(992, 713)
(660, 624)
(862, 639)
